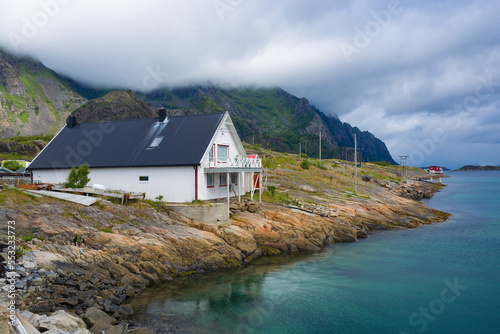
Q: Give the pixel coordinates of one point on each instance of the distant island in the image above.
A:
(477, 168)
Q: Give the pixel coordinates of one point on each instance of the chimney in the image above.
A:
(162, 113)
(71, 122)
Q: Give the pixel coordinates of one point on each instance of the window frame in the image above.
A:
(235, 178)
(221, 184)
(227, 153)
(156, 140)
(211, 154)
(213, 180)
(144, 176)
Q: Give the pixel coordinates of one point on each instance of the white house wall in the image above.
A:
(175, 184)
(224, 136)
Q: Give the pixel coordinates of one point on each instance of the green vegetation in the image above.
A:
(12, 165)
(275, 162)
(106, 230)
(382, 163)
(78, 177)
(199, 202)
(21, 251)
(305, 164)
(320, 166)
(29, 139)
(78, 240)
(28, 237)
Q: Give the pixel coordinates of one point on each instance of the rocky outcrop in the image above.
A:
(114, 106)
(128, 248)
(416, 190)
(28, 149)
(33, 99)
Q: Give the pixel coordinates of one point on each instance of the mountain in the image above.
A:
(114, 106)
(34, 100)
(478, 168)
(274, 119)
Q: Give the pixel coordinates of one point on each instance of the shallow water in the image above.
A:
(440, 278)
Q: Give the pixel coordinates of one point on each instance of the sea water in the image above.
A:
(439, 278)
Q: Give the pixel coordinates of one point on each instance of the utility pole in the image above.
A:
(403, 165)
(300, 154)
(320, 147)
(355, 165)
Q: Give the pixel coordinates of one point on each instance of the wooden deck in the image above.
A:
(84, 200)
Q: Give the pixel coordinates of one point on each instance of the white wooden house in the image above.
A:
(181, 158)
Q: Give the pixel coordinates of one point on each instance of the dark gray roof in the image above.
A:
(127, 143)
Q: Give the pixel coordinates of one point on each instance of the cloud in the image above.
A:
(407, 66)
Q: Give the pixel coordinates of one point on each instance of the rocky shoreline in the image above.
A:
(129, 248)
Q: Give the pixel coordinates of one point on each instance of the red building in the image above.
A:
(436, 169)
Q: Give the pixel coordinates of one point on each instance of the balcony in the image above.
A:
(237, 164)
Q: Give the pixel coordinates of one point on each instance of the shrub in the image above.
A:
(321, 166)
(305, 164)
(382, 163)
(272, 189)
(28, 237)
(12, 165)
(78, 177)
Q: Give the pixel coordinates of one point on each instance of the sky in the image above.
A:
(423, 76)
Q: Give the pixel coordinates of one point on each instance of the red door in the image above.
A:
(256, 181)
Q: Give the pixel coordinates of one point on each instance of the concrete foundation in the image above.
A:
(213, 213)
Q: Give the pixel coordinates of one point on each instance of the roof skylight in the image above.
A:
(156, 142)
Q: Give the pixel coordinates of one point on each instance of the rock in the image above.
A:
(29, 265)
(33, 318)
(75, 331)
(131, 267)
(4, 321)
(361, 234)
(239, 238)
(37, 281)
(27, 325)
(118, 329)
(152, 278)
(134, 280)
(62, 321)
(253, 207)
(81, 331)
(41, 307)
(123, 312)
(95, 316)
(140, 331)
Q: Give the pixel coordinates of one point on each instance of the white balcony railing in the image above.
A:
(237, 162)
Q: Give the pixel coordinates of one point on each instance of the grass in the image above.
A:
(276, 162)
(199, 202)
(106, 230)
(16, 196)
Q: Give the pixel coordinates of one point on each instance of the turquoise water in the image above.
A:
(440, 278)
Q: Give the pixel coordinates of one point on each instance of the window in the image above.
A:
(223, 180)
(210, 180)
(222, 152)
(211, 154)
(234, 178)
(143, 178)
(156, 142)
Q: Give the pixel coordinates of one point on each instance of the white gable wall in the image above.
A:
(226, 135)
(175, 184)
